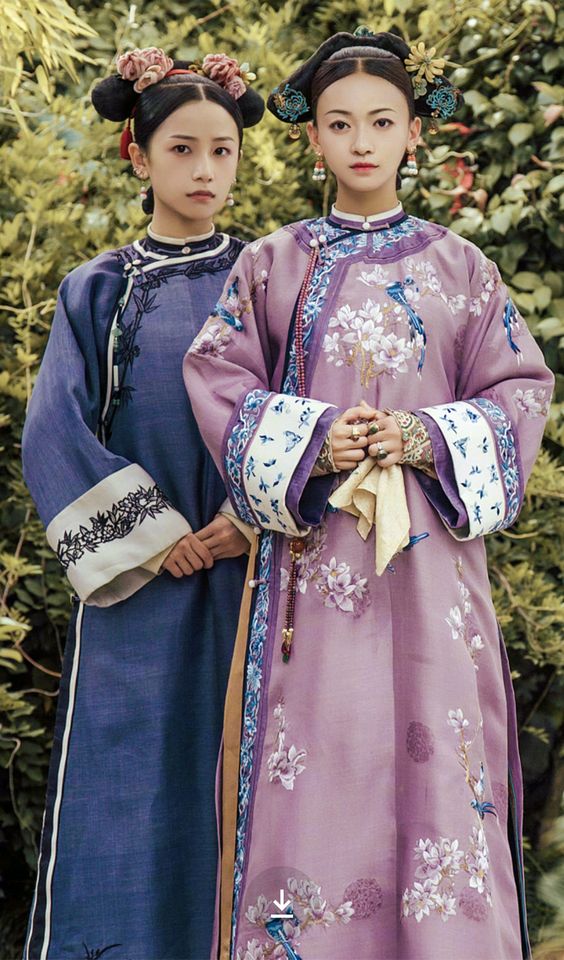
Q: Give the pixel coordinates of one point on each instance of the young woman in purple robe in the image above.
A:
(122, 480)
(371, 806)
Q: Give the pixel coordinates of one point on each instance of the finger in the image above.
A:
(370, 412)
(346, 442)
(187, 564)
(201, 551)
(352, 414)
(205, 533)
(172, 567)
(352, 453)
(347, 465)
(390, 460)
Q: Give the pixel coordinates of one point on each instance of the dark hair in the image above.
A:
(115, 99)
(376, 62)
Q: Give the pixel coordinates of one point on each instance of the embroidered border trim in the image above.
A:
(114, 523)
(251, 713)
(507, 449)
(241, 434)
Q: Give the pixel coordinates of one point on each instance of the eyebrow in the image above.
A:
(347, 113)
(185, 136)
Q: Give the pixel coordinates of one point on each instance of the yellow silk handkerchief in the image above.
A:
(377, 498)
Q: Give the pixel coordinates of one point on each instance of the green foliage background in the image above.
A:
(496, 177)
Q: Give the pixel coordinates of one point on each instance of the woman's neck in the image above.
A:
(366, 204)
(167, 224)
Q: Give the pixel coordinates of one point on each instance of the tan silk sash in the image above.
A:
(230, 769)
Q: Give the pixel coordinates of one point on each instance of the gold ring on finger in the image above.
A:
(355, 433)
(373, 428)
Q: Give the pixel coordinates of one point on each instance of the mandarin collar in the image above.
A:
(375, 221)
(175, 246)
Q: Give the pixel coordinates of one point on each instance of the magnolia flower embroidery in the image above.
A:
(342, 589)
(212, 339)
(489, 280)
(284, 764)
(533, 403)
(459, 620)
(370, 338)
(145, 66)
(309, 908)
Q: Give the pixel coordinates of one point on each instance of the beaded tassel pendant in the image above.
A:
(319, 172)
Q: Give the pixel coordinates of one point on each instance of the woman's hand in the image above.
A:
(349, 438)
(386, 439)
(223, 539)
(187, 556)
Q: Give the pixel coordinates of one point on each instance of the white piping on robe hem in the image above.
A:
(60, 783)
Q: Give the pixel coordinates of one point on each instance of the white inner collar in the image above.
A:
(177, 241)
(372, 218)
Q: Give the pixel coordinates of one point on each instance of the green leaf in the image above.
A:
(525, 281)
(520, 132)
(501, 219)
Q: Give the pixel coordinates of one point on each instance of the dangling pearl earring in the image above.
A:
(230, 200)
(319, 172)
(142, 176)
(411, 169)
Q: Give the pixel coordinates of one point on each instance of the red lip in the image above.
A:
(201, 193)
(363, 166)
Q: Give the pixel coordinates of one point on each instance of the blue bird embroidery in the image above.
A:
(275, 930)
(477, 513)
(472, 416)
(263, 517)
(264, 438)
(509, 321)
(224, 314)
(250, 468)
(474, 470)
(482, 806)
(415, 540)
(269, 463)
(279, 406)
(279, 477)
(484, 445)
(494, 476)
(292, 439)
(263, 485)
(396, 291)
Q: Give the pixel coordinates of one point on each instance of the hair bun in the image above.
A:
(114, 98)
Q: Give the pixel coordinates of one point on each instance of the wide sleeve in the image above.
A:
(264, 442)
(105, 517)
(486, 440)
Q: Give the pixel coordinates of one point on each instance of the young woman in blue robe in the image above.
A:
(134, 508)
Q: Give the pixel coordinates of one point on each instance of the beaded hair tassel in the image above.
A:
(297, 544)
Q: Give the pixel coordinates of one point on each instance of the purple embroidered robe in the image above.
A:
(379, 783)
